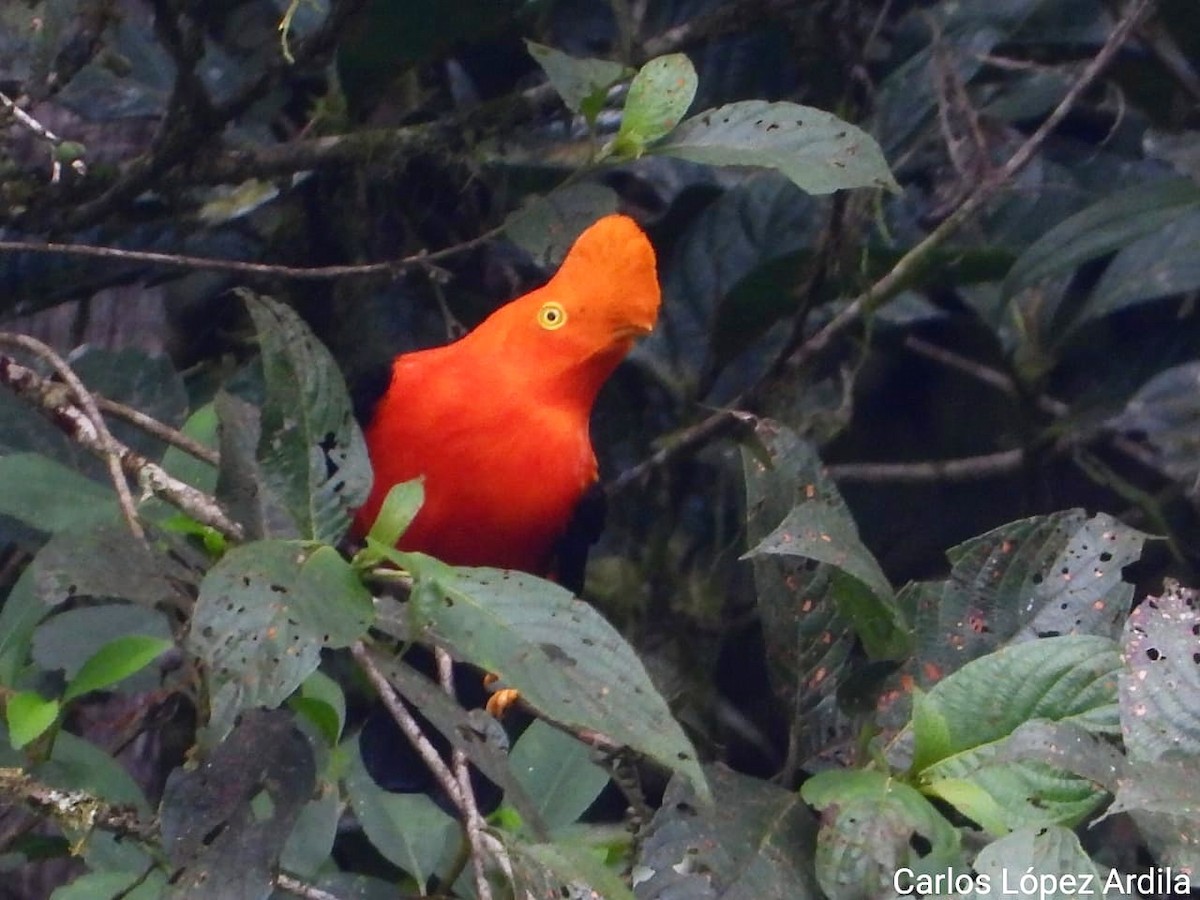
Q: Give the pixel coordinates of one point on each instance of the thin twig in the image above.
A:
(968, 468)
(905, 269)
(207, 263)
(77, 810)
(110, 448)
(51, 399)
(398, 711)
(155, 428)
(472, 820)
(299, 888)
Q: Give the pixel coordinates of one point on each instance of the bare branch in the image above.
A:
(50, 398)
(969, 468)
(75, 810)
(408, 724)
(155, 428)
(472, 820)
(205, 263)
(109, 449)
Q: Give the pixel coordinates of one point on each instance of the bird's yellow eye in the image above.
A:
(552, 316)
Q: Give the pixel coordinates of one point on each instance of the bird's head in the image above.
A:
(586, 318)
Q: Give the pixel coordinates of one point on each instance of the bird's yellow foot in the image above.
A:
(502, 700)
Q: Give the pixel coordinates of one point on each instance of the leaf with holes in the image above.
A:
(263, 615)
(225, 823)
(819, 527)
(311, 452)
(808, 636)
(1037, 577)
(559, 652)
(816, 150)
(755, 840)
(870, 825)
(1162, 676)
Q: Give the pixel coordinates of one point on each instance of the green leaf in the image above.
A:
(76, 764)
(819, 527)
(558, 773)
(1052, 860)
(19, 616)
(399, 508)
(546, 226)
(48, 496)
(311, 451)
(66, 640)
(658, 98)
(1160, 680)
(755, 840)
(1165, 412)
(816, 150)
(322, 700)
(1156, 265)
(408, 829)
(568, 871)
(560, 653)
(963, 756)
(105, 561)
(115, 661)
(1042, 576)
(869, 824)
(582, 83)
(29, 715)
(128, 885)
(200, 426)
(1068, 678)
(263, 615)
(1110, 224)
(311, 841)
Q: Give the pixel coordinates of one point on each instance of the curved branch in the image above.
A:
(905, 269)
(49, 398)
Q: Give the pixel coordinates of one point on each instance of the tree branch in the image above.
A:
(906, 268)
(106, 446)
(50, 398)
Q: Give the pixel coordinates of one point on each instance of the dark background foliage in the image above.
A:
(1042, 358)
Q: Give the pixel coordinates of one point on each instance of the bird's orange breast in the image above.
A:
(502, 475)
(497, 422)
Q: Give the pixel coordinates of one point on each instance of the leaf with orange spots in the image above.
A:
(1160, 722)
(819, 527)
(810, 609)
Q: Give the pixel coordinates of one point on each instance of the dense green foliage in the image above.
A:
(903, 491)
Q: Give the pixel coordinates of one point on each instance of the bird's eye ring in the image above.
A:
(552, 316)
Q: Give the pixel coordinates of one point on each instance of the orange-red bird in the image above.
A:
(497, 422)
